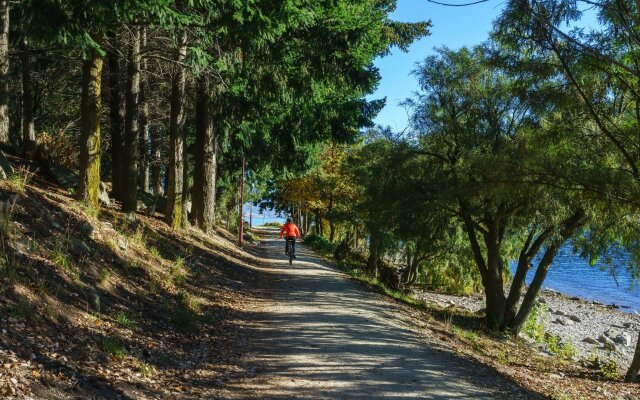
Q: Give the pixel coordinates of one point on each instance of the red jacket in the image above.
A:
(290, 229)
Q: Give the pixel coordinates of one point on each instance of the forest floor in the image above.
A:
(115, 306)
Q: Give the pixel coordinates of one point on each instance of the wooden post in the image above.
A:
(241, 233)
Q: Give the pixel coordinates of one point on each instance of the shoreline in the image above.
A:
(593, 328)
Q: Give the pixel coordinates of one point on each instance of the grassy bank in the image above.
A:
(112, 306)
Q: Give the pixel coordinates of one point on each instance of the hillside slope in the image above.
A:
(113, 306)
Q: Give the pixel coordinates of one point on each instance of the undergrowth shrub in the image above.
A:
(58, 148)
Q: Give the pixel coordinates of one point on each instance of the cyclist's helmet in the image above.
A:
(289, 220)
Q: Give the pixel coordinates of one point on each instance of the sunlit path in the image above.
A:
(322, 336)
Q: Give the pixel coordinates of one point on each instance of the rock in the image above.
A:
(628, 325)
(94, 299)
(79, 248)
(122, 244)
(624, 339)
(575, 318)
(563, 321)
(590, 340)
(607, 342)
(86, 228)
(65, 177)
(130, 217)
(542, 301)
(103, 196)
(141, 206)
(6, 169)
(611, 333)
(560, 312)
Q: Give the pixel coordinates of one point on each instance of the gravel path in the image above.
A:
(320, 335)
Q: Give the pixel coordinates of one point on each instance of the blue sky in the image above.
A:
(453, 27)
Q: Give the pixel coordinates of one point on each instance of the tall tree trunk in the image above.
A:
(143, 145)
(4, 71)
(156, 160)
(28, 124)
(634, 368)
(332, 228)
(173, 213)
(568, 229)
(204, 176)
(116, 116)
(90, 112)
(186, 208)
(130, 195)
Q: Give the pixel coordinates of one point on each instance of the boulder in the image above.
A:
(623, 339)
(607, 342)
(575, 318)
(104, 195)
(562, 321)
(590, 340)
(79, 248)
(6, 169)
(94, 299)
(64, 176)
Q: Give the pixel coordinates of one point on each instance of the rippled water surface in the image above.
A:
(572, 275)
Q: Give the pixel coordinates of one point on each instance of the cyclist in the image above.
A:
(290, 232)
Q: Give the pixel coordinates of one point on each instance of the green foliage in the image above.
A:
(123, 320)
(320, 244)
(114, 347)
(609, 368)
(536, 322)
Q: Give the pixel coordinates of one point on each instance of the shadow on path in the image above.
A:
(322, 336)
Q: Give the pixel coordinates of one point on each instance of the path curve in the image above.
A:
(320, 335)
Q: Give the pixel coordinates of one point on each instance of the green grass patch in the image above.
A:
(125, 321)
(114, 347)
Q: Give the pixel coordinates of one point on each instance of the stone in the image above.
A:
(63, 176)
(590, 340)
(623, 339)
(607, 342)
(103, 196)
(122, 244)
(79, 248)
(94, 299)
(611, 333)
(130, 217)
(560, 312)
(575, 318)
(6, 169)
(628, 325)
(86, 228)
(562, 321)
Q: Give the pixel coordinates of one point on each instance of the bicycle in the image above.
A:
(288, 250)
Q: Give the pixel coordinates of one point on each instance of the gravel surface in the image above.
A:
(590, 326)
(320, 335)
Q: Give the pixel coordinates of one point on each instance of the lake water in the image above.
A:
(572, 275)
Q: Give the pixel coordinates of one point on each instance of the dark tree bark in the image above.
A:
(143, 144)
(156, 161)
(130, 195)
(28, 124)
(567, 230)
(174, 212)
(204, 177)
(90, 113)
(116, 116)
(4, 71)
